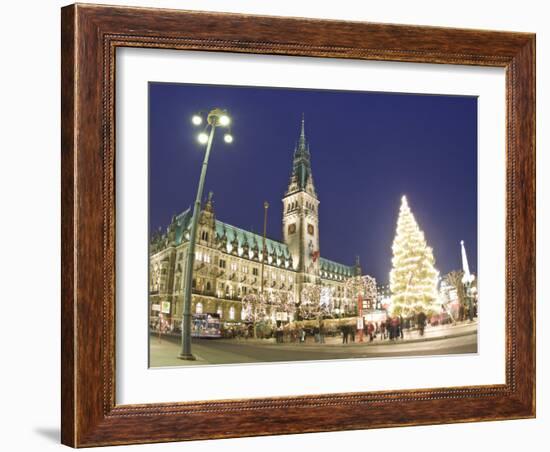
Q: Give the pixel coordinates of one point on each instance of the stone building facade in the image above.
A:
(228, 260)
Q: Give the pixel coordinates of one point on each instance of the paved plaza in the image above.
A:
(441, 340)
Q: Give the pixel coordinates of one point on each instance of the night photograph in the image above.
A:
(297, 224)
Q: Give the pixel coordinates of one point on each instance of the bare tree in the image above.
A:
(454, 279)
(255, 308)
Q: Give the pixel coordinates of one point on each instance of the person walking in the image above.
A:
(421, 322)
(345, 334)
(371, 331)
(321, 332)
(394, 328)
(388, 328)
(279, 334)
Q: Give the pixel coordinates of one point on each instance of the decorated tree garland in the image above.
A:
(413, 278)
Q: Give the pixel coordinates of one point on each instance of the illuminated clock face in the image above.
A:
(292, 228)
(310, 229)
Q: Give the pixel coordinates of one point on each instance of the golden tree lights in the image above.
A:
(283, 302)
(413, 278)
(316, 302)
(255, 308)
(361, 286)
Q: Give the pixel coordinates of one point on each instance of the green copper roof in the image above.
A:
(335, 267)
(252, 239)
(301, 167)
(181, 223)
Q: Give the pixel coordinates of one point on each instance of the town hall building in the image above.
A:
(228, 260)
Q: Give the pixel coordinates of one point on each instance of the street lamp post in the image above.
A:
(361, 320)
(215, 118)
(264, 248)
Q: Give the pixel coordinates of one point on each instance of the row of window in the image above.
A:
(294, 205)
(332, 275)
(223, 264)
(199, 309)
(224, 289)
(203, 257)
(255, 270)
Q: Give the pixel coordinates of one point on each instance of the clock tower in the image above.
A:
(301, 214)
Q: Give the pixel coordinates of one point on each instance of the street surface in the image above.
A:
(444, 340)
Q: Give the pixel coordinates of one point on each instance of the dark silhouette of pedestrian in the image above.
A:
(421, 322)
(345, 334)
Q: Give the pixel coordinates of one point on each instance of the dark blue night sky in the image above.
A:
(367, 149)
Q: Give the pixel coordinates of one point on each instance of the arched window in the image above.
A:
(231, 313)
(198, 308)
(220, 311)
(208, 286)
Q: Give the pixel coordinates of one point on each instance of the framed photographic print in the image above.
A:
(279, 225)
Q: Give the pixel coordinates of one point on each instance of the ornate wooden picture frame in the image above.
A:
(90, 37)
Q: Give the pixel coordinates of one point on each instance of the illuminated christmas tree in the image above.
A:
(413, 278)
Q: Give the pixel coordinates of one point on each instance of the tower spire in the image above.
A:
(302, 131)
(302, 148)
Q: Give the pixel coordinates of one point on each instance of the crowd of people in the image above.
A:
(392, 328)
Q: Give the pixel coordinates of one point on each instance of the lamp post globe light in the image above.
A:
(216, 118)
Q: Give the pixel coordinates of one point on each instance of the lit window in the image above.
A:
(231, 313)
(198, 308)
